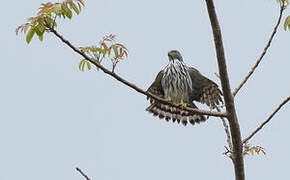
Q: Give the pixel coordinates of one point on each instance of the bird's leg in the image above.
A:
(168, 99)
(182, 104)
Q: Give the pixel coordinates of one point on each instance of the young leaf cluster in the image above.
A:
(106, 48)
(287, 23)
(283, 1)
(287, 20)
(46, 17)
(84, 63)
(249, 149)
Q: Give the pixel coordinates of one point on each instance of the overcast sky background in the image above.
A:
(54, 117)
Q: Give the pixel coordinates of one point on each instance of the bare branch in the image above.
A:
(82, 173)
(238, 160)
(117, 77)
(282, 8)
(267, 120)
(226, 128)
(228, 153)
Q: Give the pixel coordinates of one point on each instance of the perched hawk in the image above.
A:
(182, 85)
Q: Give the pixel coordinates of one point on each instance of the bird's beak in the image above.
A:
(170, 55)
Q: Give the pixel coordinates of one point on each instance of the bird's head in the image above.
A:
(174, 54)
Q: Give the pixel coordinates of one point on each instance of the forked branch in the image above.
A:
(237, 157)
(117, 77)
(266, 121)
(282, 8)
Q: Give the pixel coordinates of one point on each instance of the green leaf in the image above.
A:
(80, 7)
(99, 50)
(105, 46)
(115, 48)
(58, 9)
(82, 2)
(66, 11)
(40, 37)
(81, 63)
(121, 45)
(109, 51)
(83, 66)
(25, 28)
(74, 7)
(39, 30)
(88, 65)
(252, 151)
(69, 13)
(30, 34)
(287, 1)
(287, 23)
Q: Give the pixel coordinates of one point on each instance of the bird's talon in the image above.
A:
(182, 104)
(168, 99)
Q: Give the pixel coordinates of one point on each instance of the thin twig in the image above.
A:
(226, 128)
(217, 75)
(117, 77)
(228, 153)
(229, 150)
(82, 173)
(227, 133)
(282, 8)
(266, 121)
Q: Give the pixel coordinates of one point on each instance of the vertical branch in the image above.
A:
(229, 102)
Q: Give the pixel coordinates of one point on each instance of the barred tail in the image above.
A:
(174, 114)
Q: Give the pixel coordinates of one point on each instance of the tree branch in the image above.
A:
(229, 102)
(117, 77)
(82, 173)
(267, 120)
(282, 8)
(226, 127)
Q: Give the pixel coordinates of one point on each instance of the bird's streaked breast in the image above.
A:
(176, 82)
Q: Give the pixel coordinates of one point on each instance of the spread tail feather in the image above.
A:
(174, 114)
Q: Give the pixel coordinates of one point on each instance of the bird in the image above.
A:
(179, 84)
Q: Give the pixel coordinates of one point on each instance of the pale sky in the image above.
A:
(55, 118)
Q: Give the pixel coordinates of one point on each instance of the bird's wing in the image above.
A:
(204, 90)
(166, 111)
(156, 87)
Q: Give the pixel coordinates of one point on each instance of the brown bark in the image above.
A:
(237, 157)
